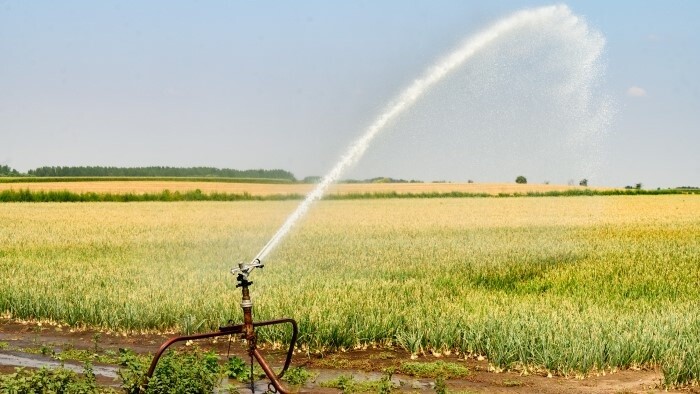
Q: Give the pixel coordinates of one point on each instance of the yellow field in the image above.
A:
(561, 283)
(260, 189)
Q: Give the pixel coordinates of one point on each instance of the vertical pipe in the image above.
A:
(247, 305)
(248, 330)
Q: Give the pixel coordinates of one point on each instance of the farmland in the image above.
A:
(143, 185)
(569, 285)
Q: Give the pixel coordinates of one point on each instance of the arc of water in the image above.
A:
(409, 96)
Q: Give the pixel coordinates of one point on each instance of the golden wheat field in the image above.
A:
(563, 283)
(261, 189)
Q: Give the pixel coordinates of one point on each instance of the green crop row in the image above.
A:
(26, 195)
(164, 196)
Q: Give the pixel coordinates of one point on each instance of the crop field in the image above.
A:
(267, 189)
(571, 285)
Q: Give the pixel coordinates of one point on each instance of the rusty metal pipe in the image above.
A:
(292, 342)
(247, 331)
(228, 331)
(275, 378)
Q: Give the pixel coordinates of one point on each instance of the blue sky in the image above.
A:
(291, 84)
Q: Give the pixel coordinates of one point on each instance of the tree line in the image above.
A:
(7, 171)
(158, 171)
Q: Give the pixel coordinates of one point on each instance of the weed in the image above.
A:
(346, 384)
(231, 389)
(434, 369)
(298, 376)
(512, 383)
(236, 368)
(382, 356)
(96, 341)
(181, 372)
(385, 385)
(85, 356)
(45, 350)
(59, 380)
(440, 385)
(132, 371)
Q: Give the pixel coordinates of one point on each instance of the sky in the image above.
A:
(241, 84)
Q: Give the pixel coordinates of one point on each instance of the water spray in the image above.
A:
(561, 15)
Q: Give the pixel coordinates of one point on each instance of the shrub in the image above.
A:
(59, 380)
(177, 372)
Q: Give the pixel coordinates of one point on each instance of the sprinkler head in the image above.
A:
(243, 270)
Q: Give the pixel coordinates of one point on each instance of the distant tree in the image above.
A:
(583, 182)
(98, 171)
(7, 171)
(638, 186)
(521, 179)
(311, 179)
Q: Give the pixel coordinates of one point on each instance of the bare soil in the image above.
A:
(361, 364)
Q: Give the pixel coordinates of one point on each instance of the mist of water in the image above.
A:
(560, 16)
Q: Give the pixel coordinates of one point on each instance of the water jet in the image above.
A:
(559, 15)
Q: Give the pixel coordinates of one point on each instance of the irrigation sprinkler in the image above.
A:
(247, 332)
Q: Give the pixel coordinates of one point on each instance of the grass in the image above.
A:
(512, 383)
(446, 370)
(348, 384)
(568, 285)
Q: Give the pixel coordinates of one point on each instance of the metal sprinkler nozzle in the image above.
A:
(243, 271)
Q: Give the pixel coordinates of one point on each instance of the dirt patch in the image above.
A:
(362, 365)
